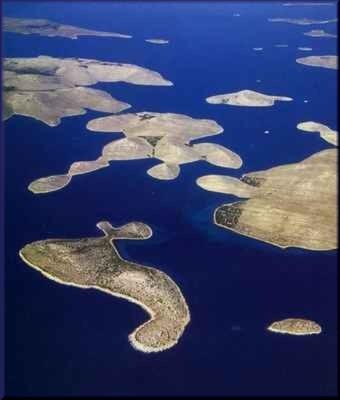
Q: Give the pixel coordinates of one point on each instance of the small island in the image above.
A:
(305, 48)
(44, 27)
(303, 21)
(95, 263)
(293, 205)
(295, 326)
(157, 41)
(299, 3)
(319, 33)
(49, 89)
(329, 62)
(163, 136)
(326, 133)
(246, 98)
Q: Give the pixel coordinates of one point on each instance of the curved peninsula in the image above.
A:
(95, 263)
(295, 326)
(246, 98)
(44, 27)
(56, 182)
(293, 205)
(326, 133)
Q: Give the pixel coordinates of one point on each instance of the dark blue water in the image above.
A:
(66, 341)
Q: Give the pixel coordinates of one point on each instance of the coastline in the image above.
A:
(262, 240)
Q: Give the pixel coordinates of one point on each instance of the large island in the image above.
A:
(48, 88)
(44, 27)
(330, 62)
(96, 263)
(293, 205)
(303, 21)
(162, 136)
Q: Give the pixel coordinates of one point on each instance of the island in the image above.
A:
(56, 182)
(157, 41)
(164, 171)
(246, 98)
(326, 133)
(305, 48)
(295, 326)
(162, 136)
(95, 263)
(303, 21)
(299, 3)
(49, 89)
(319, 33)
(44, 27)
(329, 62)
(153, 125)
(50, 183)
(293, 205)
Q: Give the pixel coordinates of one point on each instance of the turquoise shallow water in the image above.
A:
(66, 341)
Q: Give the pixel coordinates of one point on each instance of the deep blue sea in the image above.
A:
(67, 341)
